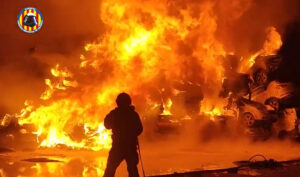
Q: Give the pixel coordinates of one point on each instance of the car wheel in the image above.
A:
(248, 119)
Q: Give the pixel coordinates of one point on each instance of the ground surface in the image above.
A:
(160, 158)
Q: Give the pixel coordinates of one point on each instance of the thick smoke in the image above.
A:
(242, 26)
(26, 59)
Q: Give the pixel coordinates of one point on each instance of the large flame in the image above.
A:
(145, 49)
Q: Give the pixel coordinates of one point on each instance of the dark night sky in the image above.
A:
(289, 70)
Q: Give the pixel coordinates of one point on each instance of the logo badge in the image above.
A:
(30, 20)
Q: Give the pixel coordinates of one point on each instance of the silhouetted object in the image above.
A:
(126, 127)
(291, 101)
(238, 84)
(30, 20)
(289, 70)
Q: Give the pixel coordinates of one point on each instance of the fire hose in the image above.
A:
(140, 156)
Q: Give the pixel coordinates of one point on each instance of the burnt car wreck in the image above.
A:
(255, 110)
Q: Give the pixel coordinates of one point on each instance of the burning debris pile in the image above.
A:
(168, 56)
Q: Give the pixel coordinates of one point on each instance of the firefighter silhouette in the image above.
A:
(30, 20)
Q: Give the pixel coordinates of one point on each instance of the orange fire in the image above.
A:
(271, 45)
(144, 47)
(167, 108)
